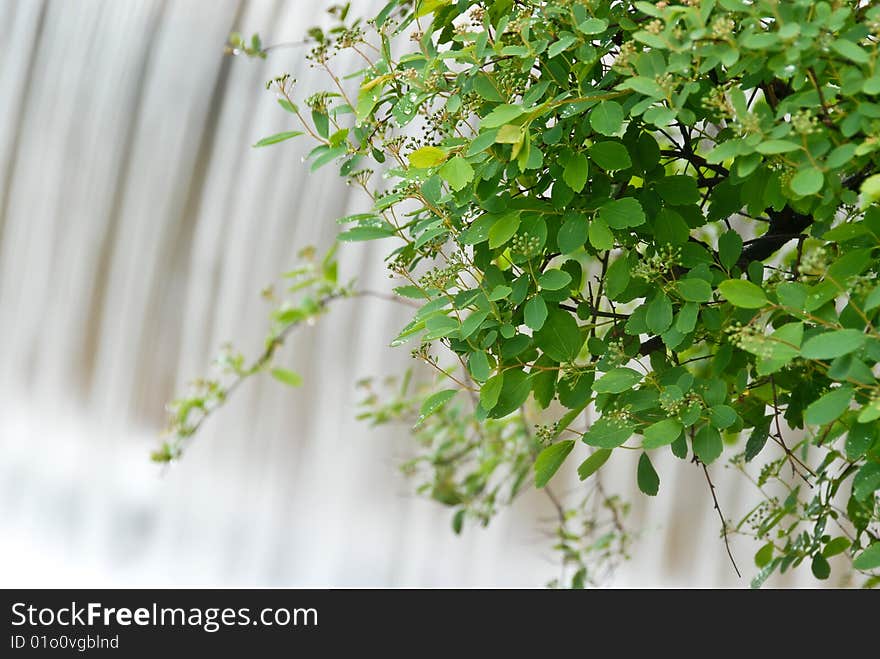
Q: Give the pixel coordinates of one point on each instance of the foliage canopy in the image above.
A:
(663, 216)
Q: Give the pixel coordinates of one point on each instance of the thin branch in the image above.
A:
(720, 516)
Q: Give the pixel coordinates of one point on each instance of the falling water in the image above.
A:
(137, 227)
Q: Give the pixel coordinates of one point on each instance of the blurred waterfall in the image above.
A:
(137, 227)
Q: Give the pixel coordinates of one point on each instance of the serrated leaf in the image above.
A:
(658, 316)
(694, 290)
(617, 380)
(575, 171)
(457, 172)
(661, 433)
(600, 235)
(427, 156)
(623, 213)
(829, 345)
(501, 114)
(607, 118)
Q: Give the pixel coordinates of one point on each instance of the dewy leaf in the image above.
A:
(501, 114)
(866, 481)
(550, 460)
(742, 293)
(427, 156)
(661, 433)
(608, 432)
(649, 481)
(287, 377)
(559, 338)
(829, 407)
(575, 171)
(434, 402)
(457, 172)
(607, 118)
(592, 464)
(617, 380)
(829, 345)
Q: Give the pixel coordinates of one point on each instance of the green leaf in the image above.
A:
(829, 345)
(490, 391)
(593, 26)
(708, 444)
(360, 234)
(871, 412)
(502, 114)
(457, 172)
(742, 293)
(434, 402)
(807, 181)
(836, 546)
(610, 156)
(561, 45)
(722, 416)
(550, 460)
(427, 156)
(649, 481)
(287, 377)
(617, 380)
(514, 392)
(730, 246)
(678, 190)
(764, 555)
(607, 118)
(868, 559)
(608, 432)
(472, 323)
(592, 464)
(559, 338)
(820, 567)
(575, 171)
(661, 433)
(658, 316)
(425, 7)
(623, 213)
(509, 134)
(757, 440)
(478, 365)
(829, 407)
(572, 234)
(771, 147)
(535, 313)
(600, 235)
(278, 137)
(554, 279)
(851, 51)
(694, 290)
(503, 229)
(866, 481)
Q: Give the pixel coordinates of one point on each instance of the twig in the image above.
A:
(720, 516)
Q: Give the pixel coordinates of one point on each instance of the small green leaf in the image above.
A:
(623, 213)
(829, 407)
(554, 279)
(592, 464)
(608, 432)
(661, 433)
(610, 156)
(559, 338)
(764, 555)
(771, 147)
(617, 380)
(851, 51)
(658, 316)
(694, 290)
(457, 172)
(820, 567)
(593, 26)
(434, 402)
(829, 345)
(742, 293)
(607, 118)
(490, 391)
(572, 234)
(708, 444)
(730, 246)
(836, 546)
(575, 171)
(722, 416)
(278, 137)
(649, 481)
(501, 114)
(807, 181)
(503, 229)
(600, 235)
(287, 377)
(866, 481)
(535, 313)
(550, 460)
(427, 156)
(868, 559)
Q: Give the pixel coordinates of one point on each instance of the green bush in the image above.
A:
(666, 212)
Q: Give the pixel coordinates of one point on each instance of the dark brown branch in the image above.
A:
(720, 516)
